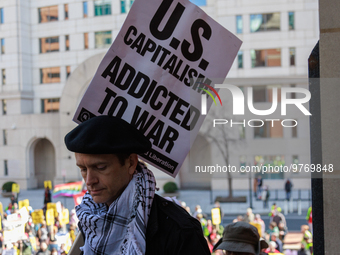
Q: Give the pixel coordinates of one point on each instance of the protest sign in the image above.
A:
(54, 207)
(14, 234)
(24, 203)
(15, 188)
(65, 217)
(166, 55)
(216, 216)
(49, 217)
(38, 216)
(14, 226)
(48, 184)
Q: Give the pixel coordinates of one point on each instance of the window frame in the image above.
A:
(50, 75)
(54, 100)
(49, 48)
(291, 23)
(254, 53)
(48, 16)
(239, 21)
(103, 45)
(263, 27)
(103, 9)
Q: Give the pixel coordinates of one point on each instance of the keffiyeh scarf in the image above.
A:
(121, 228)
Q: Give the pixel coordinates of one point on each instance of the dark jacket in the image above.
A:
(171, 230)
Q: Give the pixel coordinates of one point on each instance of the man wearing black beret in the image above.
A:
(120, 213)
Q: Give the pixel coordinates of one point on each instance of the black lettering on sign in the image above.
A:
(109, 94)
(132, 30)
(170, 24)
(178, 111)
(142, 123)
(118, 107)
(196, 54)
(170, 136)
(112, 69)
(138, 43)
(192, 115)
(155, 96)
(172, 98)
(125, 77)
(134, 90)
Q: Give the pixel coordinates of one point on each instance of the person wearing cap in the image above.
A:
(241, 238)
(120, 213)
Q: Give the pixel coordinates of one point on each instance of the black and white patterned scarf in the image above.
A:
(121, 228)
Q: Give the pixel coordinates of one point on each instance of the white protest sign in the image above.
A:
(154, 73)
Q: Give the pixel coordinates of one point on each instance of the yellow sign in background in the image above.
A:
(258, 226)
(215, 216)
(65, 217)
(54, 207)
(24, 203)
(15, 188)
(48, 184)
(49, 217)
(38, 216)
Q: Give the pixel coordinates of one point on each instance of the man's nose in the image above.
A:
(91, 177)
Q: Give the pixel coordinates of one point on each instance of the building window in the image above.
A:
(102, 39)
(4, 136)
(4, 106)
(49, 44)
(239, 24)
(50, 105)
(1, 15)
(265, 58)
(264, 22)
(5, 167)
(240, 59)
(291, 20)
(199, 2)
(65, 11)
(292, 56)
(273, 164)
(125, 5)
(264, 94)
(48, 14)
(68, 71)
(67, 42)
(102, 7)
(2, 45)
(50, 75)
(85, 14)
(267, 129)
(86, 40)
(3, 76)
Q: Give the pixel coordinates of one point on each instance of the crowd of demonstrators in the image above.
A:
(39, 239)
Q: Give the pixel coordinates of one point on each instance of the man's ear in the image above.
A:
(132, 163)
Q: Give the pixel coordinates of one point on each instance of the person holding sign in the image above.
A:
(120, 213)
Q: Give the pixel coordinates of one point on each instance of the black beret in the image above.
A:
(106, 135)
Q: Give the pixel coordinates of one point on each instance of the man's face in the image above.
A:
(104, 176)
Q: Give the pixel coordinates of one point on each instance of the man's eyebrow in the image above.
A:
(93, 164)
